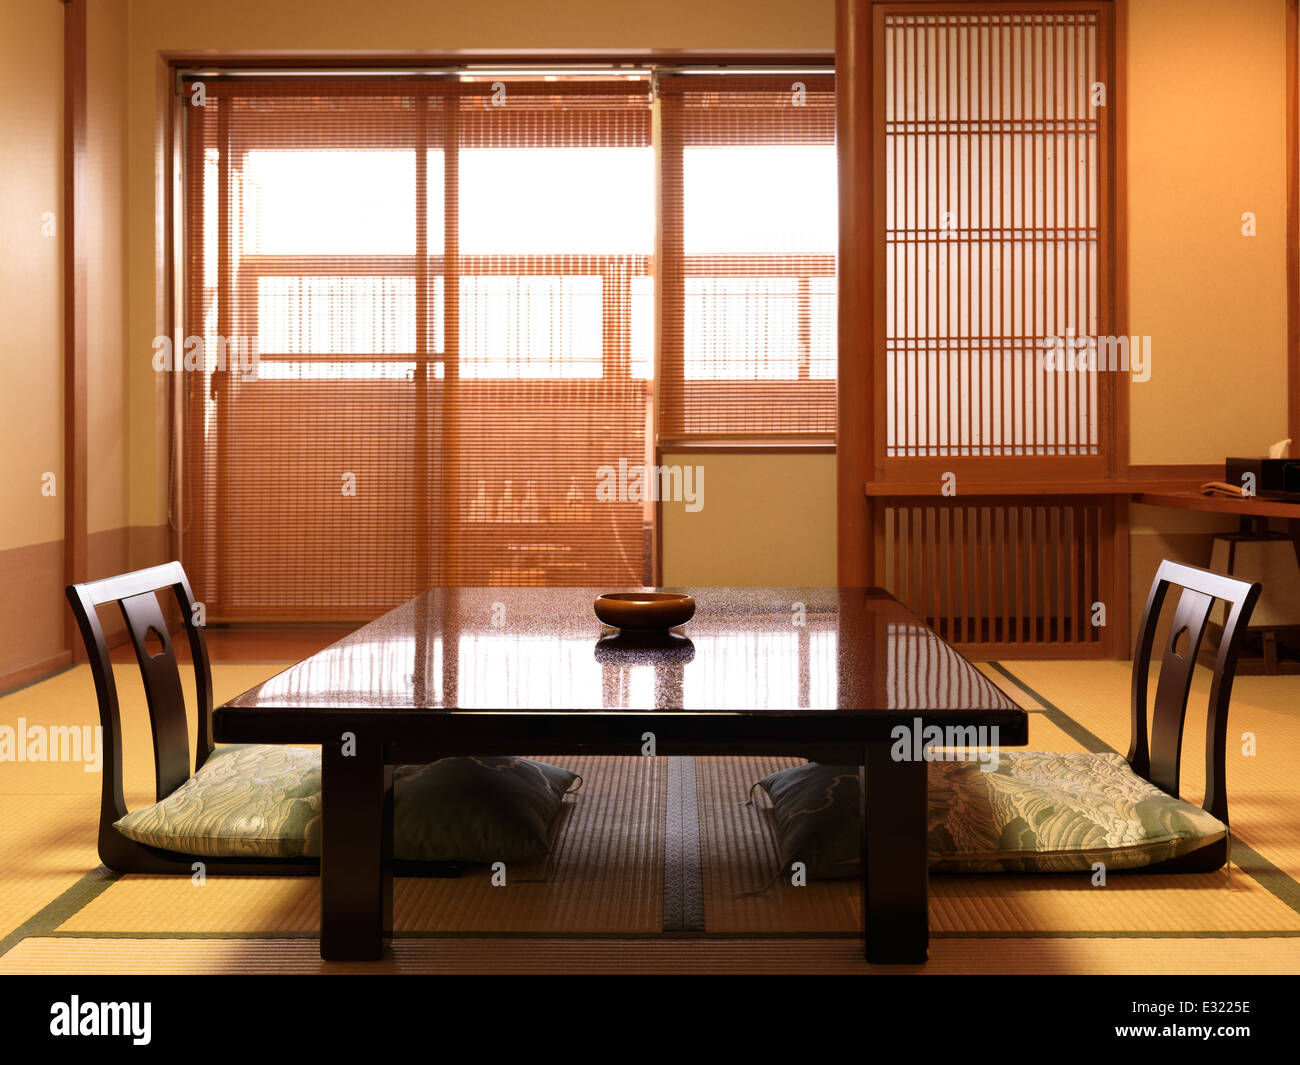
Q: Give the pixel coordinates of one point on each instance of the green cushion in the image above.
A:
(1037, 812)
(476, 809)
(247, 801)
(817, 821)
(1048, 812)
(263, 801)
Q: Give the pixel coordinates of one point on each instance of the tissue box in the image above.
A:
(1273, 477)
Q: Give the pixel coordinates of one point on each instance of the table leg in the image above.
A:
(895, 873)
(356, 869)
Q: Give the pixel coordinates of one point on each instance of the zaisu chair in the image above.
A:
(254, 809)
(1044, 811)
(135, 594)
(1160, 763)
(1071, 810)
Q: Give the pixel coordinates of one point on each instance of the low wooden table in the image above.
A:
(822, 674)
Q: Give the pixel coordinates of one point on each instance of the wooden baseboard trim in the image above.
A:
(37, 671)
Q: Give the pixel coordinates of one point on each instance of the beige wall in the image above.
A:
(32, 618)
(31, 340)
(1207, 135)
(764, 520)
(106, 384)
(1206, 142)
(31, 270)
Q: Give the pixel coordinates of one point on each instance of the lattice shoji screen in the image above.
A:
(993, 208)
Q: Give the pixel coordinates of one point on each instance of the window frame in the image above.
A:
(616, 271)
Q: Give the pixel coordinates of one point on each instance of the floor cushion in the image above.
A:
(476, 809)
(1038, 812)
(249, 800)
(1045, 812)
(816, 811)
(264, 801)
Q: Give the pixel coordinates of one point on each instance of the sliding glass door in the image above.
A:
(421, 323)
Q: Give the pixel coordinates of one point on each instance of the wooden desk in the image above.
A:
(510, 670)
(1254, 507)
(1253, 513)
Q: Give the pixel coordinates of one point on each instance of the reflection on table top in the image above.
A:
(747, 650)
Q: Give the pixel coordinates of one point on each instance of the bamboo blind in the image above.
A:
(452, 298)
(452, 284)
(748, 257)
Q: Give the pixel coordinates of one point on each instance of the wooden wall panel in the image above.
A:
(1008, 576)
(993, 212)
(33, 643)
(855, 438)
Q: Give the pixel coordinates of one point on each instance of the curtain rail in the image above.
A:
(556, 70)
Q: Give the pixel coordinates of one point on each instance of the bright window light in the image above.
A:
(537, 201)
(763, 199)
(333, 202)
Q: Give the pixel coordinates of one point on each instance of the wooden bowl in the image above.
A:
(645, 611)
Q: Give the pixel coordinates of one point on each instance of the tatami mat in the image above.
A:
(599, 907)
(742, 856)
(49, 809)
(605, 875)
(741, 859)
(661, 955)
(47, 844)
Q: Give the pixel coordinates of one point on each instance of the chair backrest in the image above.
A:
(135, 594)
(1160, 761)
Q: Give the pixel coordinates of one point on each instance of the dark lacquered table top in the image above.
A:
(748, 652)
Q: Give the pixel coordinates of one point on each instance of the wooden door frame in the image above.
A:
(75, 272)
(1292, 37)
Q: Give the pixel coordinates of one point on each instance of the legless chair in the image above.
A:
(254, 809)
(1043, 811)
(1160, 760)
(135, 595)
